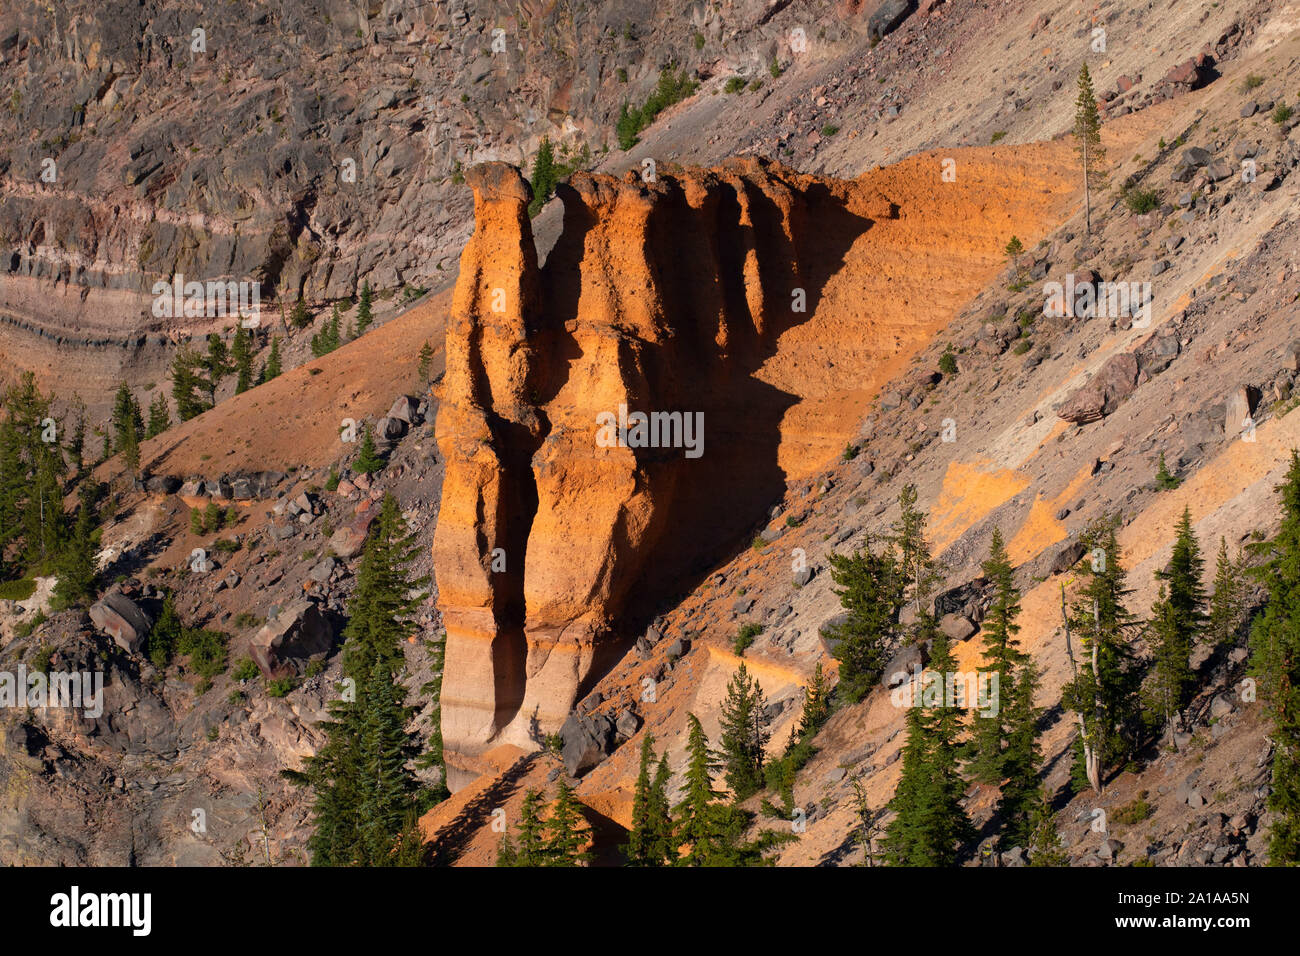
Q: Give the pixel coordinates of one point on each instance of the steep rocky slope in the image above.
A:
(921, 270)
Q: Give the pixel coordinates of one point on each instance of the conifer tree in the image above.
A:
(660, 814)
(368, 460)
(385, 786)
(165, 635)
(159, 416)
(696, 823)
(1178, 617)
(1275, 661)
(1013, 251)
(130, 445)
(647, 844)
(869, 591)
(1103, 691)
(507, 855)
(241, 353)
(532, 832)
(364, 316)
(77, 438)
(1045, 847)
(1021, 791)
(567, 830)
(77, 569)
(333, 329)
(744, 734)
(425, 367)
(217, 364)
(1227, 609)
(126, 414)
(186, 384)
(916, 569)
(1002, 656)
(1087, 136)
(300, 318)
(816, 704)
(713, 832)
(33, 526)
(545, 176)
(363, 787)
(272, 368)
(929, 825)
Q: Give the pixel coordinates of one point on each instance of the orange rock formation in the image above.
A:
(752, 302)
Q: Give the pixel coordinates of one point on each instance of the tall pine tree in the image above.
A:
(1275, 661)
(744, 734)
(1104, 689)
(1002, 656)
(870, 592)
(930, 825)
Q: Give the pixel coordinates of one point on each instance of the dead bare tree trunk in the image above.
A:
(1087, 192)
(1092, 765)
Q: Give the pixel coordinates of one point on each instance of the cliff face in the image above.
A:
(731, 307)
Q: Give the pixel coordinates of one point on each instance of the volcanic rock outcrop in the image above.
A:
(614, 420)
(557, 535)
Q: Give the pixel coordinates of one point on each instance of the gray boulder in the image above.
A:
(406, 409)
(586, 742)
(888, 17)
(906, 663)
(298, 632)
(120, 618)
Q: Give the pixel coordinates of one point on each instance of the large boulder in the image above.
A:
(958, 627)
(1114, 382)
(954, 600)
(904, 665)
(298, 632)
(587, 741)
(888, 17)
(1067, 557)
(1237, 413)
(406, 409)
(162, 484)
(120, 618)
(390, 429)
(348, 540)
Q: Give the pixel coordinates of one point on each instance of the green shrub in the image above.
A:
(1023, 346)
(206, 650)
(1141, 201)
(698, 40)
(745, 637)
(245, 669)
(734, 85)
(40, 662)
(1000, 134)
(1282, 113)
(830, 129)
(948, 362)
(19, 590)
(1253, 81)
(1135, 811)
(281, 687)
